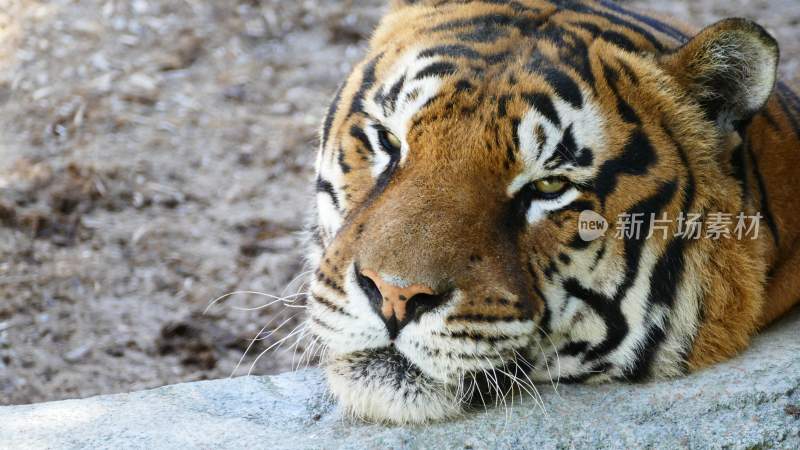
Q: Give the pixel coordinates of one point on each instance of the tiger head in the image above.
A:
(456, 163)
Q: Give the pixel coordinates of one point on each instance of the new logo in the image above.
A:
(591, 226)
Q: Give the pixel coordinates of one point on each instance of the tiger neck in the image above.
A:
(773, 141)
(767, 165)
(751, 285)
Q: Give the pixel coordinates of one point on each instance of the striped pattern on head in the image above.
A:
(454, 165)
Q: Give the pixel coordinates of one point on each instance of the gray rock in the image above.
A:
(750, 402)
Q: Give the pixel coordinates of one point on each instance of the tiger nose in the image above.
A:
(397, 305)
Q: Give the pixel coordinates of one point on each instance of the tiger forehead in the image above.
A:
(541, 117)
(482, 38)
(500, 50)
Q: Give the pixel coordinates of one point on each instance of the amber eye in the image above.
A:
(389, 141)
(393, 140)
(551, 186)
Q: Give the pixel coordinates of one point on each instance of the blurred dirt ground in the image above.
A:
(155, 155)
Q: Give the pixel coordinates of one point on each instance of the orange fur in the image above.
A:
(441, 219)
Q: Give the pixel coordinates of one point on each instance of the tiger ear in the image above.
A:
(729, 68)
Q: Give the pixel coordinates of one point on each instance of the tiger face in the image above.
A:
(456, 163)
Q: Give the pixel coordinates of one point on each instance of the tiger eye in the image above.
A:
(550, 185)
(393, 140)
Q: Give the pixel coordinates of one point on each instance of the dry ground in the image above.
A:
(156, 154)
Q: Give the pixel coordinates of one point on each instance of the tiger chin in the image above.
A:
(477, 178)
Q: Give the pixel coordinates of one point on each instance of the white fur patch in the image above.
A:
(540, 208)
(588, 128)
(329, 218)
(410, 100)
(369, 387)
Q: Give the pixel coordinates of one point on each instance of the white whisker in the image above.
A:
(278, 344)
(547, 365)
(276, 299)
(300, 275)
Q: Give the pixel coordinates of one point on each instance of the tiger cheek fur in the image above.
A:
(456, 162)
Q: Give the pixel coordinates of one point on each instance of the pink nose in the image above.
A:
(397, 305)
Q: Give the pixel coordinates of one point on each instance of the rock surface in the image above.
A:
(750, 402)
(158, 154)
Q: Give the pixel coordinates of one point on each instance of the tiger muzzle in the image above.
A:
(397, 305)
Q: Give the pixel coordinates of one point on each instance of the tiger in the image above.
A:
(474, 179)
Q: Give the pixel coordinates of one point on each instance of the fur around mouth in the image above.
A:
(390, 372)
(394, 364)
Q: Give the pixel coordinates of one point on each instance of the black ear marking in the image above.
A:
(730, 68)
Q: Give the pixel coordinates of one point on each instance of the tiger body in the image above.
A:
(446, 260)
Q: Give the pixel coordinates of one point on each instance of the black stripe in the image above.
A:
(665, 280)
(579, 205)
(394, 92)
(383, 179)
(483, 34)
(573, 348)
(451, 50)
(609, 308)
(515, 5)
(628, 71)
(589, 27)
(484, 318)
(578, 58)
(599, 255)
(330, 305)
(585, 157)
(332, 109)
(357, 133)
(740, 169)
(690, 189)
(657, 25)
(620, 40)
(790, 114)
(551, 270)
(790, 95)
(623, 107)
(497, 58)
(765, 208)
(437, 69)
(367, 81)
(627, 113)
(526, 25)
(326, 187)
(464, 86)
(325, 325)
(574, 55)
(475, 337)
(342, 163)
(636, 158)
(544, 105)
(564, 86)
(578, 243)
(328, 281)
(502, 105)
(564, 152)
(510, 150)
(641, 369)
(616, 20)
(544, 323)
